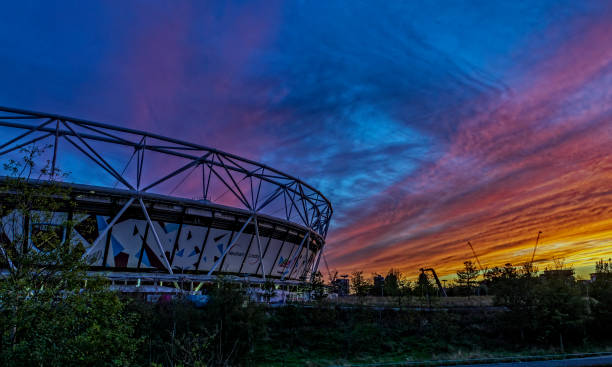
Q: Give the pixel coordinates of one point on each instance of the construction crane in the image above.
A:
(475, 256)
(423, 270)
(535, 247)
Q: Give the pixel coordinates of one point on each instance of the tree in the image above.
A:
(601, 293)
(560, 310)
(234, 324)
(392, 283)
(467, 276)
(51, 312)
(424, 288)
(397, 285)
(317, 285)
(360, 285)
(603, 269)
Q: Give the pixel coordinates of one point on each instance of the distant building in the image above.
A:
(601, 276)
(379, 285)
(342, 286)
(559, 274)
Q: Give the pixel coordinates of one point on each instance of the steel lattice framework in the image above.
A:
(142, 166)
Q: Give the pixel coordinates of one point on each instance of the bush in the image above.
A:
(224, 332)
(51, 312)
(86, 328)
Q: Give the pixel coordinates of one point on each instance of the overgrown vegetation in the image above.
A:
(530, 314)
(53, 314)
(223, 333)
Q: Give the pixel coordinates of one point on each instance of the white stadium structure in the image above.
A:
(149, 207)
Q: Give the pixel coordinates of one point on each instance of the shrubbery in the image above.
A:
(224, 332)
(51, 312)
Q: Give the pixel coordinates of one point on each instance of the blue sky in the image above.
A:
(397, 111)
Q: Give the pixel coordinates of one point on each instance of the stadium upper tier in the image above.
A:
(163, 205)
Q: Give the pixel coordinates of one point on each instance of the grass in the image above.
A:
(274, 357)
(407, 302)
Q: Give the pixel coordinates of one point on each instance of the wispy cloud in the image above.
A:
(425, 125)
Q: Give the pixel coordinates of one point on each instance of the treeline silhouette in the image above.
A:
(531, 311)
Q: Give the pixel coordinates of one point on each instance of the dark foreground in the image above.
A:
(531, 316)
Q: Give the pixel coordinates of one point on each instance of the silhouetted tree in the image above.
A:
(396, 285)
(424, 287)
(317, 286)
(467, 277)
(603, 269)
(600, 292)
(392, 283)
(360, 285)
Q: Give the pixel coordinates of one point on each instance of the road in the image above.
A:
(573, 362)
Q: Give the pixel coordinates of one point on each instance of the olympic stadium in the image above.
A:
(164, 210)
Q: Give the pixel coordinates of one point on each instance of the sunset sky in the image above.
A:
(425, 123)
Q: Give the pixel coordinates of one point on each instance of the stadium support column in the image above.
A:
(229, 247)
(309, 261)
(265, 251)
(176, 239)
(55, 150)
(161, 248)
(297, 254)
(109, 226)
(263, 270)
(316, 265)
(246, 253)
